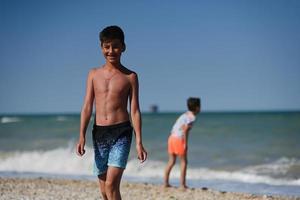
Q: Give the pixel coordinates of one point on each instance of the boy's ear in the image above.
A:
(124, 48)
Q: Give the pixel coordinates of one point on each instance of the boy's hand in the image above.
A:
(80, 147)
(142, 153)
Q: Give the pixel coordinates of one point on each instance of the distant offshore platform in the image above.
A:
(153, 108)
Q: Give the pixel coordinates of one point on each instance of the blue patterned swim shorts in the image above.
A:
(111, 146)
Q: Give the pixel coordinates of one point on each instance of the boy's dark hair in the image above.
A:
(110, 33)
(193, 103)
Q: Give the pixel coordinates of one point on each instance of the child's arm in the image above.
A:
(136, 118)
(186, 129)
(86, 113)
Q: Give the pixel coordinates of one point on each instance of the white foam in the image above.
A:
(155, 169)
(9, 119)
(278, 167)
(57, 161)
(65, 161)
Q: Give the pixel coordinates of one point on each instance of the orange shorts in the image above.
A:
(176, 145)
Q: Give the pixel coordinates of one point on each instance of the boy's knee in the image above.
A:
(172, 162)
(110, 185)
(184, 160)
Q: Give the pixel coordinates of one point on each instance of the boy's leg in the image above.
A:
(183, 167)
(171, 162)
(117, 160)
(112, 183)
(102, 180)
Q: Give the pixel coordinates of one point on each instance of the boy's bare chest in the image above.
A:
(117, 84)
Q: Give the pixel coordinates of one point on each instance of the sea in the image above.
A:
(251, 152)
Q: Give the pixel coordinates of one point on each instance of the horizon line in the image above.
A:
(158, 112)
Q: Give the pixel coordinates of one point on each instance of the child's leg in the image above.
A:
(171, 162)
(183, 167)
(112, 183)
(102, 179)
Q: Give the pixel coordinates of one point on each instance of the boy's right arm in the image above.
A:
(86, 113)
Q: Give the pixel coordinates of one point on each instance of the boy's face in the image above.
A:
(198, 109)
(112, 50)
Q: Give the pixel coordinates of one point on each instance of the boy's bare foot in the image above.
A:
(204, 188)
(184, 187)
(167, 185)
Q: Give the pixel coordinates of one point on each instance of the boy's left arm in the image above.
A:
(136, 117)
(186, 129)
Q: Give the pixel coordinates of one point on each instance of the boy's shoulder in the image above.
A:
(131, 75)
(188, 116)
(94, 70)
(127, 71)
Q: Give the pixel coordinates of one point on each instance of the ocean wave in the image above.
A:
(277, 168)
(155, 169)
(9, 119)
(57, 161)
(65, 161)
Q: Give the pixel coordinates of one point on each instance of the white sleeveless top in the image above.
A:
(186, 118)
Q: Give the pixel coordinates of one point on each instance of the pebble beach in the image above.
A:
(48, 189)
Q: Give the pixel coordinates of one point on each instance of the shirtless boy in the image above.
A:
(111, 87)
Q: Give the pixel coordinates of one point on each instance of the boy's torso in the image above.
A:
(185, 119)
(111, 90)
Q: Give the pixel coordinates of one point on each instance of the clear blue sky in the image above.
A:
(235, 55)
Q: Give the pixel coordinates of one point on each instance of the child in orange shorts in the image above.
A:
(178, 140)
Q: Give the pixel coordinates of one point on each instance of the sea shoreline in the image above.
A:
(61, 188)
(214, 185)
